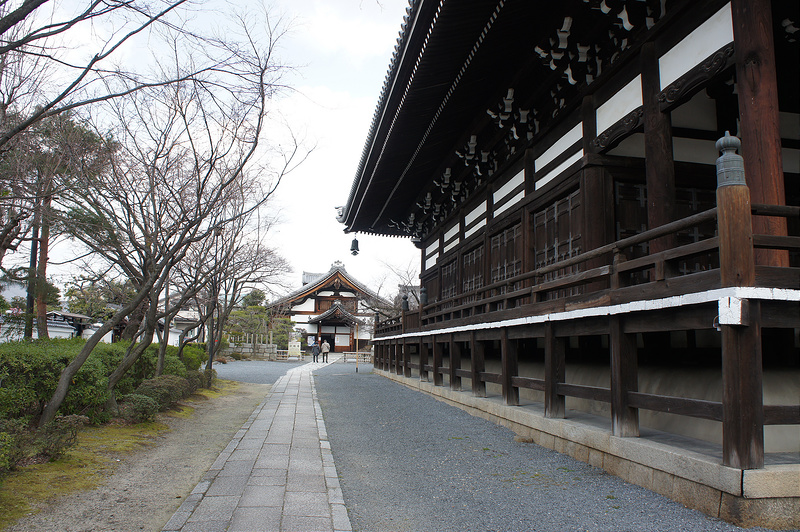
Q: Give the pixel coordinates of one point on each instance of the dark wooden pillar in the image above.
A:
(406, 359)
(477, 351)
(437, 362)
(398, 357)
(509, 359)
(659, 167)
(742, 396)
(423, 360)
(554, 372)
(742, 399)
(455, 364)
(597, 197)
(624, 379)
(757, 85)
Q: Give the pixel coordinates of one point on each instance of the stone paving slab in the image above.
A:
(276, 475)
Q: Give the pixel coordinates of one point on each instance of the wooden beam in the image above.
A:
(554, 373)
(624, 379)
(509, 358)
(757, 85)
(477, 365)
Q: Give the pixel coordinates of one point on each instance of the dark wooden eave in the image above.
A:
(446, 71)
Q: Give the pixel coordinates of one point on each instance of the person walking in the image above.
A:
(325, 348)
(315, 351)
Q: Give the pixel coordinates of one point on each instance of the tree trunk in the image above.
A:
(131, 356)
(67, 374)
(31, 291)
(41, 271)
(135, 321)
(162, 352)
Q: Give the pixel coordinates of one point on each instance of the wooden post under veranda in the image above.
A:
(742, 399)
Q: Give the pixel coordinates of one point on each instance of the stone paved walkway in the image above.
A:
(277, 474)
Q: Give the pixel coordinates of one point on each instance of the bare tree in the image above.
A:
(185, 155)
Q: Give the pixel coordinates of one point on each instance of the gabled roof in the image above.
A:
(69, 315)
(337, 311)
(337, 274)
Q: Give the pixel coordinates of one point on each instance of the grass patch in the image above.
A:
(89, 462)
(84, 467)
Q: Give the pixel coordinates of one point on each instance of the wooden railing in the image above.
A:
(616, 280)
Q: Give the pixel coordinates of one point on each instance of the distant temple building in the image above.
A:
(333, 306)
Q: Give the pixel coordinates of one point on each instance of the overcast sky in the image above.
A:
(342, 49)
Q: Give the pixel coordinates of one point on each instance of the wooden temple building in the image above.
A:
(602, 268)
(333, 306)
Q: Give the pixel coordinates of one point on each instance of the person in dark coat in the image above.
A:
(315, 351)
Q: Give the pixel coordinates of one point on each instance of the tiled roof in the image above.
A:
(315, 284)
(338, 311)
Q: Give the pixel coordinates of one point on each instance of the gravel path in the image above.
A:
(254, 371)
(408, 462)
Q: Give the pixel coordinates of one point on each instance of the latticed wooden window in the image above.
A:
(557, 237)
(505, 255)
(472, 270)
(449, 279)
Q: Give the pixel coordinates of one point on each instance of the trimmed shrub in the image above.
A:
(165, 390)
(19, 442)
(56, 437)
(29, 372)
(195, 380)
(15, 441)
(138, 408)
(193, 357)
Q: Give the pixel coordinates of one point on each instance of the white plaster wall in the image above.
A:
(474, 229)
(510, 203)
(434, 247)
(509, 186)
(306, 306)
(342, 339)
(453, 231)
(88, 332)
(558, 169)
(706, 39)
(430, 262)
(560, 146)
(620, 104)
(475, 213)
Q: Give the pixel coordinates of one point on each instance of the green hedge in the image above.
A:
(29, 373)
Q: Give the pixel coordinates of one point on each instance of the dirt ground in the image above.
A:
(149, 485)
